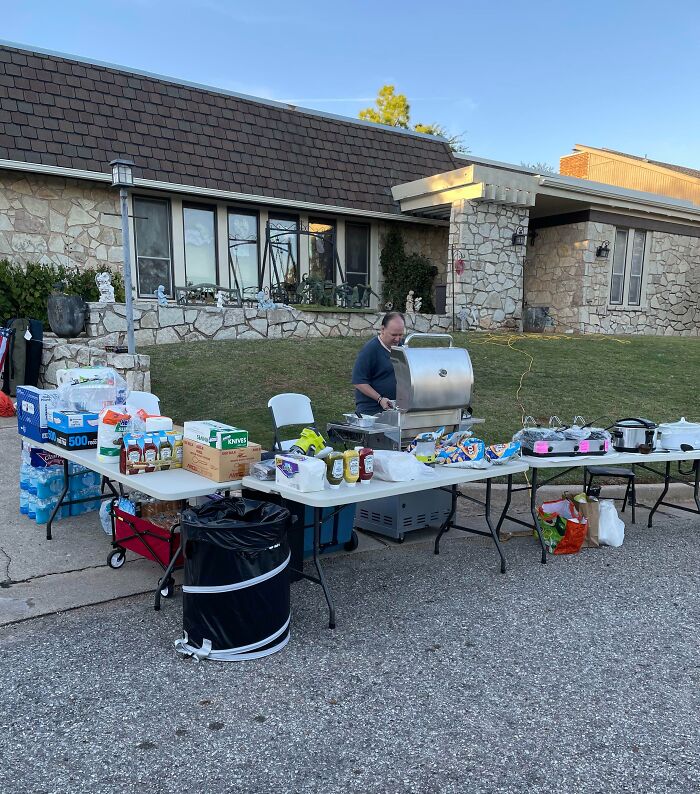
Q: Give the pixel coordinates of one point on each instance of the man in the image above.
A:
(373, 374)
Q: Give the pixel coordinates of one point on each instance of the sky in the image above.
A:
(522, 82)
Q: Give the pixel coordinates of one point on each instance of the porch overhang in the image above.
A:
(433, 196)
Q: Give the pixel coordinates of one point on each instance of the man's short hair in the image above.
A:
(389, 316)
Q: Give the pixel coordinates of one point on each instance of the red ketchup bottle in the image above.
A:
(366, 464)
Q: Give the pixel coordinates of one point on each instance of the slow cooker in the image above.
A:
(629, 434)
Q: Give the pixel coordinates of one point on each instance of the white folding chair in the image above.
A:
(144, 399)
(289, 409)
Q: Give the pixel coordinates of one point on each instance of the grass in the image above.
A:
(602, 378)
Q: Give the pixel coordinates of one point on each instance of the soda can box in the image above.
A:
(216, 434)
(73, 429)
(42, 458)
(33, 406)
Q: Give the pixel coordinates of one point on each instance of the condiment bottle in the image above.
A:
(334, 469)
(351, 467)
(165, 452)
(133, 455)
(366, 464)
(150, 453)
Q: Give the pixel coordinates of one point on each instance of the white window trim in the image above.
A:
(625, 305)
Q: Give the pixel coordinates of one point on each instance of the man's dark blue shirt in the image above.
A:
(373, 366)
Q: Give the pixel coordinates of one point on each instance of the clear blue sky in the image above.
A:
(523, 81)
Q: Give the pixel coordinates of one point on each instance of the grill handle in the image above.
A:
(427, 336)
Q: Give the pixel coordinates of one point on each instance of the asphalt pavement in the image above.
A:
(443, 676)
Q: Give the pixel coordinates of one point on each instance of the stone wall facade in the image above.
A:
(61, 221)
(492, 282)
(563, 272)
(156, 325)
(67, 354)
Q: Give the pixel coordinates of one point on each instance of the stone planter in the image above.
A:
(67, 314)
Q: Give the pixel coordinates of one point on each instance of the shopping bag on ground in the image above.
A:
(563, 527)
(611, 529)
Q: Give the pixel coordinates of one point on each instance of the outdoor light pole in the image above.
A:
(122, 178)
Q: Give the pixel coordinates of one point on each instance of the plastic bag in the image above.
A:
(563, 526)
(611, 528)
(106, 516)
(394, 466)
(502, 453)
(90, 388)
(462, 451)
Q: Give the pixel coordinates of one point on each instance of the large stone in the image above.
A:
(79, 217)
(278, 316)
(209, 322)
(228, 333)
(149, 319)
(112, 322)
(167, 336)
(169, 316)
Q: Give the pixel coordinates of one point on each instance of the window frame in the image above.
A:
(273, 216)
(333, 223)
(627, 276)
(195, 205)
(253, 213)
(168, 203)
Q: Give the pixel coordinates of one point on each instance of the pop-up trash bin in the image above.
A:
(236, 580)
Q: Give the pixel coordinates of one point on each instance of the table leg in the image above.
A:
(504, 513)
(697, 484)
(317, 563)
(448, 521)
(533, 511)
(494, 532)
(667, 482)
(66, 484)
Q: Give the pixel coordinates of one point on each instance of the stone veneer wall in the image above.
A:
(563, 272)
(430, 241)
(58, 220)
(492, 281)
(157, 325)
(66, 354)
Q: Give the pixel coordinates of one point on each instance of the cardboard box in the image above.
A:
(73, 429)
(157, 463)
(33, 406)
(216, 434)
(220, 465)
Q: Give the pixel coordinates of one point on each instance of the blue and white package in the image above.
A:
(502, 453)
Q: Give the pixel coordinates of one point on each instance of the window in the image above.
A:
(626, 281)
(322, 250)
(356, 253)
(154, 264)
(200, 244)
(243, 250)
(284, 249)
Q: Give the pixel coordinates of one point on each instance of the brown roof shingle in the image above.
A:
(94, 113)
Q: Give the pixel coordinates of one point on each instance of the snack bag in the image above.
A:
(502, 453)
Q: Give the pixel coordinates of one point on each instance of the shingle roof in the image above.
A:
(681, 169)
(73, 114)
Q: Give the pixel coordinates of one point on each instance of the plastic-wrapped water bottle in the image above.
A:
(25, 475)
(24, 501)
(31, 505)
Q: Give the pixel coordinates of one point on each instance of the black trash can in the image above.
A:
(236, 580)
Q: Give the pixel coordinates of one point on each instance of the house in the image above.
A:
(216, 171)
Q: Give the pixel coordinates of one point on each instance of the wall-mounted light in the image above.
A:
(122, 175)
(603, 250)
(519, 236)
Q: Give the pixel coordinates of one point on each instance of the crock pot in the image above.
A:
(677, 435)
(629, 434)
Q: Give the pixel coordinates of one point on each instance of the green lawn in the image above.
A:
(596, 376)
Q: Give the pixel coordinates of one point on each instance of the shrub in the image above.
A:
(25, 289)
(404, 272)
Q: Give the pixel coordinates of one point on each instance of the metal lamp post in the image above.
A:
(122, 178)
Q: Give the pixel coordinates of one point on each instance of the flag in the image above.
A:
(5, 336)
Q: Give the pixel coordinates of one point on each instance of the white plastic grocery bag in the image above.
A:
(611, 528)
(398, 466)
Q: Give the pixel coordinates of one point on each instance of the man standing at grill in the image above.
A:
(373, 374)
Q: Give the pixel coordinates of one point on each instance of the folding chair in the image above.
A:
(289, 409)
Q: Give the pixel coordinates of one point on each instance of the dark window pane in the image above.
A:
(153, 273)
(634, 293)
(321, 250)
(243, 249)
(200, 245)
(617, 283)
(357, 253)
(152, 227)
(284, 250)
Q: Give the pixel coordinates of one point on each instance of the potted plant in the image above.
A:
(66, 313)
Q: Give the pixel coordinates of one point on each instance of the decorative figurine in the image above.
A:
(417, 303)
(388, 306)
(265, 303)
(220, 297)
(104, 285)
(409, 302)
(465, 314)
(162, 297)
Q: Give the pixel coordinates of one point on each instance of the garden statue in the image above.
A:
(409, 302)
(265, 303)
(162, 297)
(388, 306)
(417, 303)
(104, 285)
(465, 314)
(220, 297)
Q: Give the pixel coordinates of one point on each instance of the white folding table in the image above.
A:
(640, 459)
(442, 477)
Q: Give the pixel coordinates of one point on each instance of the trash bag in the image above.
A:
(236, 580)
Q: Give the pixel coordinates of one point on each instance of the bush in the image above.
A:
(404, 272)
(25, 289)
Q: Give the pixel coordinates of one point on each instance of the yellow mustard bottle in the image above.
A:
(351, 466)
